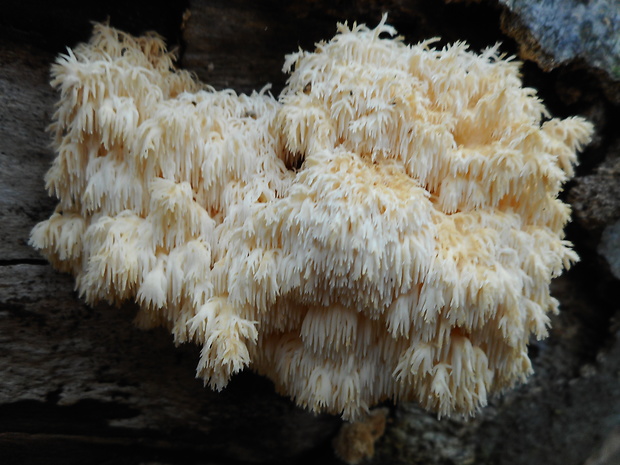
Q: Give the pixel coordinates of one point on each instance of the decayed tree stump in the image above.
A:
(82, 385)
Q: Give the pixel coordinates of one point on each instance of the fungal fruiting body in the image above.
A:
(387, 228)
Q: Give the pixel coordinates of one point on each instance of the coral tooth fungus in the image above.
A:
(387, 228)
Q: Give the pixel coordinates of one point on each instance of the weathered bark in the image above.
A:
(82, 385)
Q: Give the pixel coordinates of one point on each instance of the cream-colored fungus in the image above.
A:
(387, 228)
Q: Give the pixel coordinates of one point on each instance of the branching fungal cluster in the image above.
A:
(408, 255)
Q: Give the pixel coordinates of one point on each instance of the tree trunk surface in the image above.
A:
(83, 385)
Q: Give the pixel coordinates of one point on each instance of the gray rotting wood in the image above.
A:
(83, 385)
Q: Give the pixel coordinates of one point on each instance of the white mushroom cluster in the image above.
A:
(387, 228)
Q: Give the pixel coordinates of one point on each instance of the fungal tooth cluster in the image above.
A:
(387, 228)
